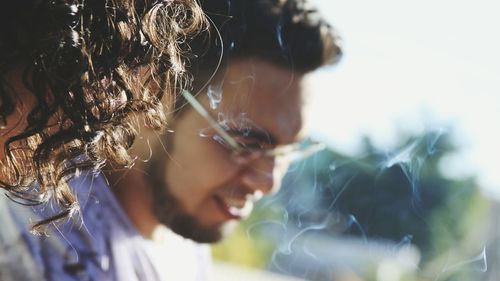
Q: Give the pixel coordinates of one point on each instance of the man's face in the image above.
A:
(202, 186)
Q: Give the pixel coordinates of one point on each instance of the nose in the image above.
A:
(260, 176)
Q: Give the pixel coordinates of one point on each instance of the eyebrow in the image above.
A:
(260, 135)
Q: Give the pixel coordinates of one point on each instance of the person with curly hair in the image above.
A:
(232, 136)
(76, 76)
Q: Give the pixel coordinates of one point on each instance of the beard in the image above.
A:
(170, 212)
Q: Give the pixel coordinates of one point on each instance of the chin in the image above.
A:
(170, 213)
(202, 236)
(188, 227)
(191, 229)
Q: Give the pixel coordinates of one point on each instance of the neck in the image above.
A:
(135, 197)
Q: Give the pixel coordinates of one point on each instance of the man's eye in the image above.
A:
(252, 143)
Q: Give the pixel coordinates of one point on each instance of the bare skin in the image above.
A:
(261, 106)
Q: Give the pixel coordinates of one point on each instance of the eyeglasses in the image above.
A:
(292, 152)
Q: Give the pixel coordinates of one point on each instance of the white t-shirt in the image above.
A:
(190, 260)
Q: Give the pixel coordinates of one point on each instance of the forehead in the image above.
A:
(256, 94)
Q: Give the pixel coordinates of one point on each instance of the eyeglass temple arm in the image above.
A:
(313, 148)
(203, 112)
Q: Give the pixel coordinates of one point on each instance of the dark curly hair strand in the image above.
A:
(88, 67)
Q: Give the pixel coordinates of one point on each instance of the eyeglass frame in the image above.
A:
(239, 149)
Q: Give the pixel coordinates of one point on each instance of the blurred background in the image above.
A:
(408, 188)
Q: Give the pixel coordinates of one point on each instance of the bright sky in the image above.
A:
(415, 65)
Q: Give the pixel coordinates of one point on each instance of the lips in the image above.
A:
(234, 208)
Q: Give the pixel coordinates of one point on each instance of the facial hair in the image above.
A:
(170, 212)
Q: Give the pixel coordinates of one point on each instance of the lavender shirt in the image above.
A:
(101, 245)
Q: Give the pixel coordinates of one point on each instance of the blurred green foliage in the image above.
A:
(399, 197)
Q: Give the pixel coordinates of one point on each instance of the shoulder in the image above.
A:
(19, 259)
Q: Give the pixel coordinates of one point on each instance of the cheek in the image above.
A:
(196, 170)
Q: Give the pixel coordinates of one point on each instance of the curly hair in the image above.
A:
(87, 68)
(288, 33)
